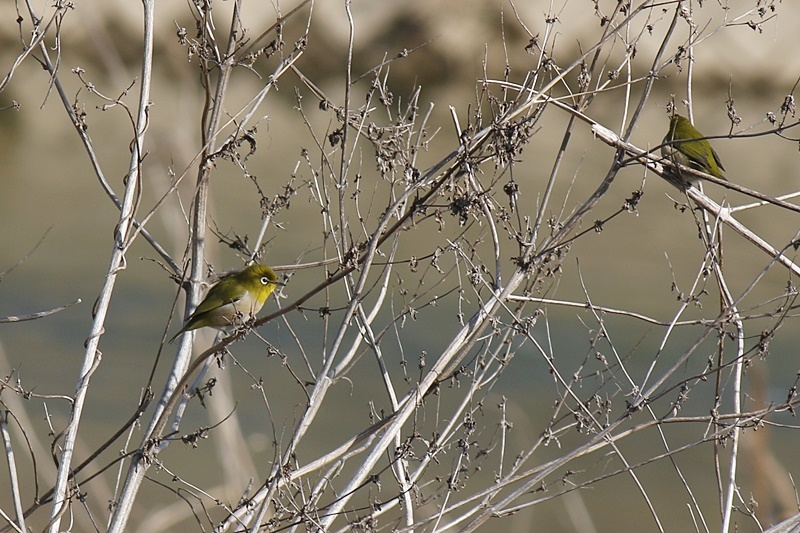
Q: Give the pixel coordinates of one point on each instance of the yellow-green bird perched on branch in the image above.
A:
(242, 292)
(685, 145)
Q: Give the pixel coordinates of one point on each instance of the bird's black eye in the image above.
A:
(264, 280)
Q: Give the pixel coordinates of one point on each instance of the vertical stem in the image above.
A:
(12, 474)
(92, 356)
(139, 463)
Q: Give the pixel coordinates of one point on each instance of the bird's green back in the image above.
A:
(687, 141)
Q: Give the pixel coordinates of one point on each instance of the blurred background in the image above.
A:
(56, 223)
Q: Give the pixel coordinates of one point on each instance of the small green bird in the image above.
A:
(685, 145)
(242, 292)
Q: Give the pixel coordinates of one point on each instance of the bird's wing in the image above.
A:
(716, 157)
(214, 300)
(697, 153)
